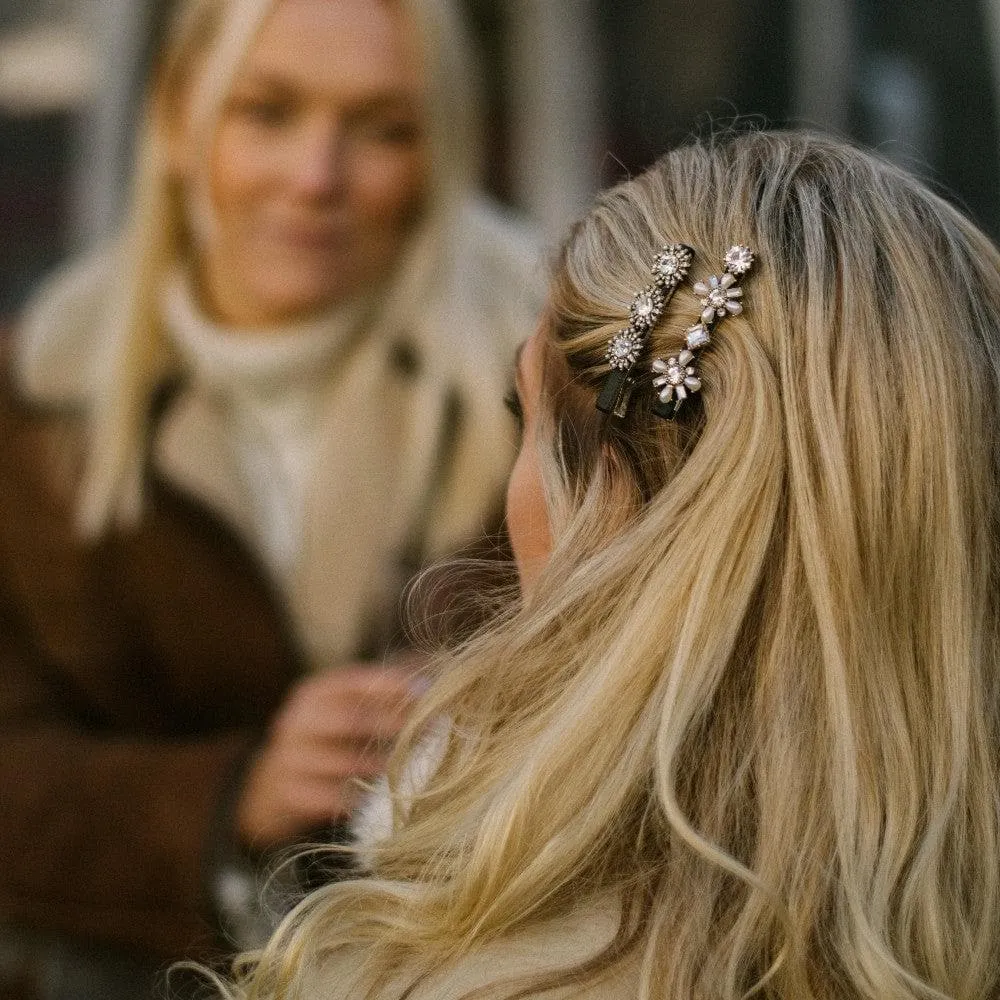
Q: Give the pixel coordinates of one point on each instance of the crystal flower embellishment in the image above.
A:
(676, 377)
(669, 268)
(739, 259)
(671, 264)
(720, 296)
(646, 308)
(624, 349)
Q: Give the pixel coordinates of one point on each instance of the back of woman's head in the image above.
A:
(751, 694)
(799, 574)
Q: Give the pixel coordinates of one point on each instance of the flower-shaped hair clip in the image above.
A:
(669, 268)
(721, 297)
(646, 308)
(624, 349)
(677, 377)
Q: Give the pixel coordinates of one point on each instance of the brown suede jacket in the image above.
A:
(134, 676)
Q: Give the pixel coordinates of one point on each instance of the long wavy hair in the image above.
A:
(753, 695)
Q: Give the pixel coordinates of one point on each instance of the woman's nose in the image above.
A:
(318, 167)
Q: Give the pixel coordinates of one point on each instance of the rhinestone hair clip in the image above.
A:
(677, 377)
(669, 268)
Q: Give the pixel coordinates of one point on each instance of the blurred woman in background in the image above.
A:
(740, 737)
(229, 442)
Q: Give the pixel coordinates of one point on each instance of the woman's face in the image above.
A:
(527, 515)
(318, 163)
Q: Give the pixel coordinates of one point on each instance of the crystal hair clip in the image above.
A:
(677, 377)
(669, 268)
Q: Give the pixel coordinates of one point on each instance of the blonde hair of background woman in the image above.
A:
(205, 45)
(756, 686)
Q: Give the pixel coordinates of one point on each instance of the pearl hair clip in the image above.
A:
(669, 268)
(677, 377)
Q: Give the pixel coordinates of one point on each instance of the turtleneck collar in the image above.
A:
(249, 361)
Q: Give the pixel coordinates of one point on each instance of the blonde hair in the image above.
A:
(205, 44)
(753, 694)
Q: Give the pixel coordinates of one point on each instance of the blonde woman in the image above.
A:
(740, 736)
(230, 441)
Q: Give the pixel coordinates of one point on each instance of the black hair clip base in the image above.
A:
(615, 393)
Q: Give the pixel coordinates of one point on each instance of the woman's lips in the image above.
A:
(321, 239)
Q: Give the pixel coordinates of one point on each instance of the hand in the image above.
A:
(333, 728)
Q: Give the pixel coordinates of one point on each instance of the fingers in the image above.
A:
(334, 729)
(340, 762)
(309, 805)
(363, 687)
(289, 792)
(353, 705)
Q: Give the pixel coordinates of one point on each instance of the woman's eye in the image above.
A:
(513, 403)
(391, 131)
(263, 111)
(401, 132)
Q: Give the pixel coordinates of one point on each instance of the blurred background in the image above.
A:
(580, 92)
